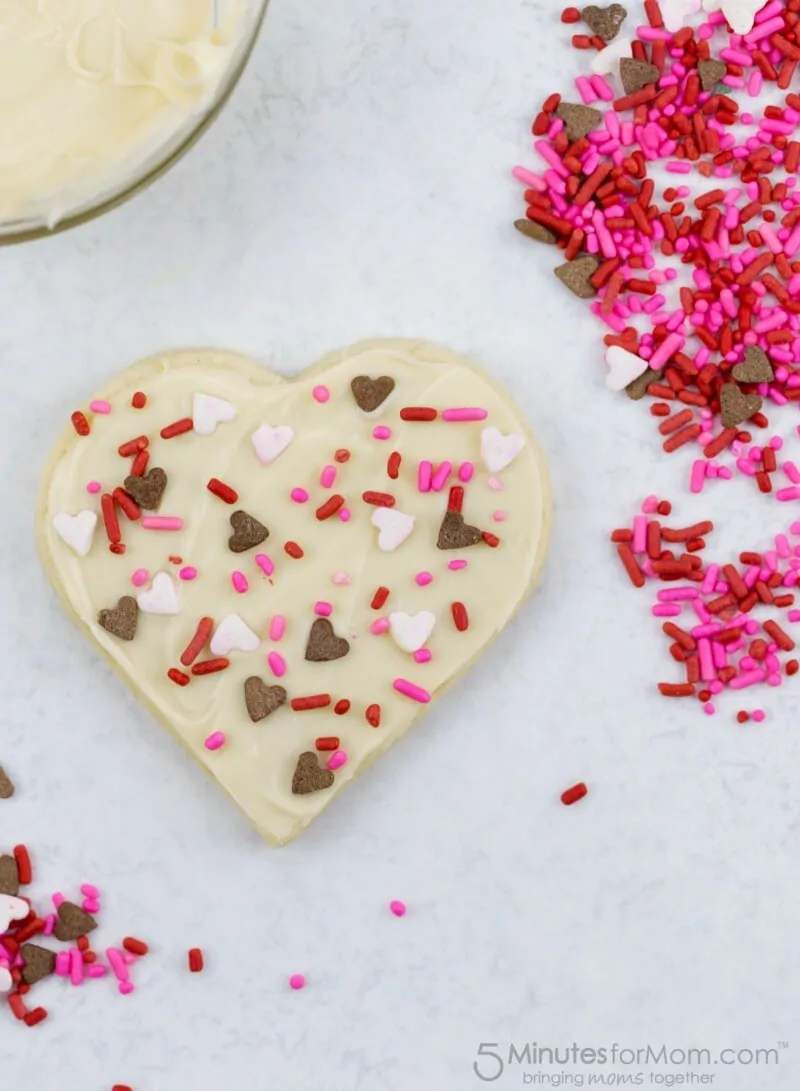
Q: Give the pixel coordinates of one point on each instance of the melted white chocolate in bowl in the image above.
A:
(96, 94)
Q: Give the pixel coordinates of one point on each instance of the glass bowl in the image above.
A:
(235, 26)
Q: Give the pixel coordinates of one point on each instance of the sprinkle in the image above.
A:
(162, 522)
(572, 795)
(127, 504)
(418, 413)
(423, 655)
(132, 447)
(277, 627)
(460, 616)
(297, 981)
(425, 476)
(379, 499)
(35, 1017)
(300, 496)
(321, 394)
(330, 507)
(110, 519)
(140, 577)
(393, 465)
(457, 565)
(239, 581)
(341, 708)
(188, 573)
(293, 550)
(211, 666)
(139, 464)
(223, 491)
(373, 715)
(344, 515)
(139, 400)
(379, 598)
(466, 471)
(277, 664)
(380, 626)
(215, 741)
(23, 862)
(341, 454)
(337, 760)
(100, 407)
(327, 477)
(196, 960)
(265, 564)
(178, 677)
(464, 414)
(186, 424)
(455, 499)
(327, 742)
(439, 479)
(382, 432)
(423, 579)
(397, 908)
(304, 704)
(499, 516)
(494, 483)
(341, 579)
(408, 689)
(80, 423)
(94, 487)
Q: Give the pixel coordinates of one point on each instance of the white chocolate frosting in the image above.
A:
(342, 563)
(91, 91)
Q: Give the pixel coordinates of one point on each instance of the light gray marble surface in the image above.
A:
(358, 185)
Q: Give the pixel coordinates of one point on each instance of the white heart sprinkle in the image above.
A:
(208, 412)
(497, 450)
(623, 367)
(233, 635)
(740, 14)
(605, 62)
(271, 442)
(341, 578)
(6, 980)
(11, 909)
(674, 13)
(161, 597)
(76, 530)
(394, 527)
(411, 631)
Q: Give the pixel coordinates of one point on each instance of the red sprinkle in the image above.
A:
(327, 742)
(418, 413)
(117, 547)
(341, 707)
(135, 946)
(178, 677)
(379, 598)
(455, 501)
(379, 499)
(17, 1005)
(570, 15)
(34, 1017)
(373, 715)
(198, 642)
(23, 862)
(132, 447)
(573, 794)
(196, 961)
(128, 505)
(110, 518)
(460, 616)
(341, 455)
(393, 465)
(177, 428)
(223, 491)
(211, 666)
(294, 550)
(304, 704)
(80, 423)
(491, 539)
(139, 400)
(139, 464)
(330, 507)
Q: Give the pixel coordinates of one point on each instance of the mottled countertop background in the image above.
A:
(357, 185)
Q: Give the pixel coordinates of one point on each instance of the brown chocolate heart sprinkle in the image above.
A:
(575, 275)
(9, 876)
(578, 120)
(72, 922)
(638, 388)
(604, 22)
(755, 367)
(323, 644)
(535, 231)
(735, 406)
(309, 776)
(147, 491)
(636, 74)
(710, 73)
(121, 621)
(39, 963)
(371, 393)
(262, 700)
(247, 532)
(6, 784)
(454, 533)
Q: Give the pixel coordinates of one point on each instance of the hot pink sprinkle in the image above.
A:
(379, 626)
(300, 496)
(297, 981)
(327, 477)
(439, 479)
(57, 899)
(140, 576)
(398, 908)
(62, 963)
(408, 689)
(321, 393)
(499, 516)
(345, 515)
(456, 566)
(265, 564)
(423, 578)
(423, 655)
(382, 432)
(323, 609)
(215, 741)
(188, 573)
(758, 715)
(94, 487)
(465, 471)
(239, 581)
(96, 970)
(90, 905)
(100, 407)
(464, 414)
(424, 476)
(277, 664)
(162, 522)
(337, 760)
(76, 966)
(277, 627)
(49, 924)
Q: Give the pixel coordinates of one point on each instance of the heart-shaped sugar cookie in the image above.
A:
(306, 462)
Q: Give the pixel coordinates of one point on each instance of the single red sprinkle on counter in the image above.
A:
(178, 428)
(223, 491)
(418, 413)
(211, 666)
(23, 862)
(379, 499)
(379, 598)
(305, 704)
(202, 635)
(135, 946)
(80, 423)
(139, 400)
(330, 507)
(573, 794)
(132, 447)
(33, 1018)
(17, 1005)
(393, 465)
(121, 1087)
(460, 616)
(293, 550)
(342, 707)
(196, 960)
(373, 715)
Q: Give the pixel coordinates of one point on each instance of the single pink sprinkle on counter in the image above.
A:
(344, 515)
(215, 741)
(321, 394)
(94, 487)
(398, 908)
(379, 626)
(327, 477)
(424, 476)
(408, 689)
(188, 573)
(423, 578)
(758, 715)
(265, 564)
(382, 432)
(337, 760)
(239, 581)
(140, 576)
(96, 970)
(300, 496)
(277, 627)
(297, 981)
(277, 664)
(457, 565)
(100, 407)
(422, 655)
(465, 414)
(465, 471)
(89, 890)
(323, 609)
(162, 522)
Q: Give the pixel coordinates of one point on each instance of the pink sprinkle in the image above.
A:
(49, 924)
(94, 487)
(337, 760)
(423, 578)
(188, 573)
(494, 483)
(265, 564)
(465, 471)
(327, 477)
(341, 579)
(456, 566)
(62, 963)
(649, 504)
(277, 627)
(499, 516)
(117, 963)
(709, 709)
(423, 655)
(758, 715)
(345, 515)
(300, 496)
(126, 988)
(162, 522)
(408, 689)
(666, 609)
(90, 905)
(398, 908)
(215, 741)
(381, 432)
(698, 475)
(440, 477)
(58, 899)
(277, 664)
(140, 576)
(323, 609)
(239, 581)
(321, 393)
(76, 966)
(424, 476)
(128, 958)
(297, 981)
(379, 626)
(464, 414)
(96, 970)
(100, 407)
